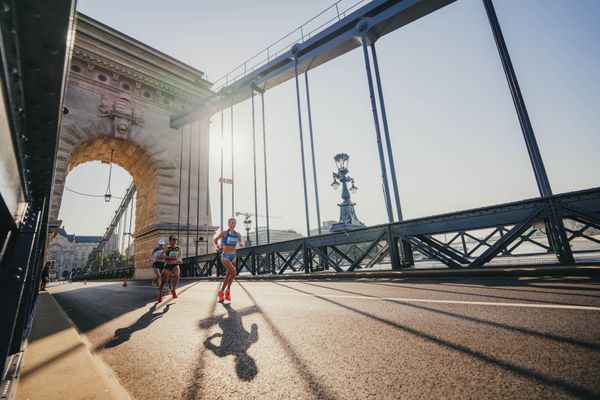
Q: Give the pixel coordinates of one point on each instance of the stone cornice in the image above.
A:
(98, 45)
(126, 44)
(94, 59)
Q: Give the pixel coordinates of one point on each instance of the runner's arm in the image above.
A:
(162, 256)
(216, 240)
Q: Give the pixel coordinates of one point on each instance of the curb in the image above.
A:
(526, 271)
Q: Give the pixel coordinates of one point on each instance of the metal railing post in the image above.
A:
(306, 257)
(393, 246)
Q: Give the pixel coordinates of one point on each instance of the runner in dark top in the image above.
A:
(172, 255)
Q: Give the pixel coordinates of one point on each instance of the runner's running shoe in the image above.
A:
(228, 295)
(221, 295)
(159, 298)
(173, 294)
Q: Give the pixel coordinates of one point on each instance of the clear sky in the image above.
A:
(455, 134)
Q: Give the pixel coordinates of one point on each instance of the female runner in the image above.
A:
(229, 240)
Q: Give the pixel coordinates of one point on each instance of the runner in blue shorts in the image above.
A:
(158, 263)
(229, 241)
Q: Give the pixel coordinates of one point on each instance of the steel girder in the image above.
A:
(382, 16)
(505, 226)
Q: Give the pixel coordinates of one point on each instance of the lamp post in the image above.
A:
(247, 225)
(108, 195)
(348, 219)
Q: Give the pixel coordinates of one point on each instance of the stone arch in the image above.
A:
(146, 161)
(135, 160)
(155, 176)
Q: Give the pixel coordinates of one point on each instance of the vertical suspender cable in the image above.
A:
(386, 188)
(197, 151)
(556, 233)
(124, 229)
(386, 133)
(262, 100)
(130, 223)
(530, 141)
(121, 234)
(254, 168)
(301, 146)
(221, 176)
(207, 183)
(405, 248)
(232, 164)
(180, 170)
(189, 194)
(312, 152)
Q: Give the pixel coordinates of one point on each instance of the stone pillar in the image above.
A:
(193, 220)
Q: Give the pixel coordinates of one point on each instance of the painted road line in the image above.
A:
(475, 303)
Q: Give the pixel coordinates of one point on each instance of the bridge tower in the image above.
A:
(120, 95)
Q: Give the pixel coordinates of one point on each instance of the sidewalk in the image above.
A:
(57, 364)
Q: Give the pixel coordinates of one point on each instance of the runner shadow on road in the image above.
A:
(235, 340)
(124, 334)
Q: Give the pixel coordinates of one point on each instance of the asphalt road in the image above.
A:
(380, 339)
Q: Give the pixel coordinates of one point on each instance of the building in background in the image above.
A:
(276, 235)
(70, 251)
(325, 228)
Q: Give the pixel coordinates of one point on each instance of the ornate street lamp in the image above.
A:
(348, 219)
(247, 225)
(108, 195)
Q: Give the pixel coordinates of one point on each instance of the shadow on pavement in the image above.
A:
(474, 294)
(494, 324)
(235, 340)
(565, 386)
(124, 334)
(95, 304)
(319, 390)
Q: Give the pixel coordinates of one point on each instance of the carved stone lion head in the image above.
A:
(121, 127)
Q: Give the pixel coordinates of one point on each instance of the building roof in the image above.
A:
(79, 239)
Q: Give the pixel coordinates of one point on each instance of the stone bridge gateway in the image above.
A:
(119, 98)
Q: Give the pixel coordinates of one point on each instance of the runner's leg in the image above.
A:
(233, 273)
(165, 276)
(227, 264)
(175, 277)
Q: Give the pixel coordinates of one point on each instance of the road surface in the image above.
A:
(366, 339)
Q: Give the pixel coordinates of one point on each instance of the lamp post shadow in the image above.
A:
(236, 341)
